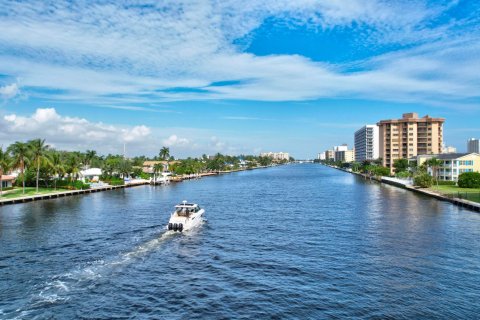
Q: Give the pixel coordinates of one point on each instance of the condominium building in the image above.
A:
(409, 137)
(449, 149)
(345, 155)
(367, 143)
(321, 156)
(453, 164)
(473, 145)
(276, 155)
(329, 155)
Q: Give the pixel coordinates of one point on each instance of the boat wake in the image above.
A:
(61, 288)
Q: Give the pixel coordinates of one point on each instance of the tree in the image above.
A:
(400, 165)
(157, 167)
(434, 163)
(73, 166)
(469, 180)
(164, 153)
(20, 154)
(423, 180)
(57, 167)
(89, 156)
(39, 155)
(4, 166)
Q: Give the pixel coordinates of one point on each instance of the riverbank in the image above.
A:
(471, 205)
(133, 183)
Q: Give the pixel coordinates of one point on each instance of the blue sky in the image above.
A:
(233, 77)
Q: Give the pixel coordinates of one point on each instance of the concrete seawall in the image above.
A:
(474, 206)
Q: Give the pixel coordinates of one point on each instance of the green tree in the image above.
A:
(73, 165)
(39, 151)
(434, 163)
(400, 165)
(469, 180)
(164, 153)
(423, 180)
(20, 153)
(57, 167)
(4, 166)
(89, 156)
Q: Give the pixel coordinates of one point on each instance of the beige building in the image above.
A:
(409, 137)
(276, 155)
(345, 155)
(329, 155)
(453, 164)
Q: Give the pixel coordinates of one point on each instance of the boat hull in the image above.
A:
(181, 223)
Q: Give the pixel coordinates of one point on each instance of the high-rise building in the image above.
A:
(345, 155)
(367, 143)
(321, 156)
(473, 145)
(409, 137)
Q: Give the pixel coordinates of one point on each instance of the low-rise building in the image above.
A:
(7, 181)
(148, 166)
(453, 164)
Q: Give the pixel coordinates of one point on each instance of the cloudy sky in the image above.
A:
(233, 76)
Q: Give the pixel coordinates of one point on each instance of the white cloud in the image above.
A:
(9, 91)
(71, 132)
(131, 52)
(175, 141)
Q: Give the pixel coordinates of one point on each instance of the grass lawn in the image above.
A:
(465, 193)
(17, 192)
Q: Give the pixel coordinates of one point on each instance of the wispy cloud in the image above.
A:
(137, 51)
(9, 91)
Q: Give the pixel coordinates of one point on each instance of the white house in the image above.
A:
(92, 174)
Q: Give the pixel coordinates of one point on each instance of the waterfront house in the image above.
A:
(148, 166)
(92, 174)
(453, 164)
(7, 181)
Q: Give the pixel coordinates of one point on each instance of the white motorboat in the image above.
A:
(186, 216)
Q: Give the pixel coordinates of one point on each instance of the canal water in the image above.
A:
(297, 241)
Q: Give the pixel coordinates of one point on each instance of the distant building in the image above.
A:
(473, 145)
(343, 147)
(345, 156)
(276, 155)
(453, 164)
(149, 166)
(367, 143)
(321, 156)
(449, 149)
(329, 155)
(409, 137)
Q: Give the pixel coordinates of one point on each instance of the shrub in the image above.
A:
(423, 180)
(403, 174)
(469, 180)
(72, 185)
(113, 181)
(381, 171)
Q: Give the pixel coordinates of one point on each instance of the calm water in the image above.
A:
(299, 241)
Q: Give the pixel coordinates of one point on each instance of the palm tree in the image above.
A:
(434, 163)
(20, 153)
(57, 167)
(73, 166)
(164, 153)
(4, 166)
(157, 167)
(89, 155)
(39, 152)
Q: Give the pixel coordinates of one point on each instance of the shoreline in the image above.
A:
(67, 193)
(470, 205)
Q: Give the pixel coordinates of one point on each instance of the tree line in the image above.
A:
(41, 165)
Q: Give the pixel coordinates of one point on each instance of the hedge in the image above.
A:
(469, 180)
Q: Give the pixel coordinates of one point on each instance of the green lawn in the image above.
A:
(465, 193)
(17, 192)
